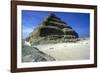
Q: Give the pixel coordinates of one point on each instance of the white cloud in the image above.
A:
(26, 31)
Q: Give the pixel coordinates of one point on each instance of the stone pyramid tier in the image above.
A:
(53, 30)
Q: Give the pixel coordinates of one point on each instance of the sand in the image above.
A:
(67, 51)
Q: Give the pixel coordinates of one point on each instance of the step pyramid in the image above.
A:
(52, 29)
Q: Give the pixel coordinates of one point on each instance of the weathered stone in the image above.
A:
(52, 30)
(33, 54)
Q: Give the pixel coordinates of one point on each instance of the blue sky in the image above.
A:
(80, 22)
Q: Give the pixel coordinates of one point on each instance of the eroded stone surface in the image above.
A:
(52, 30)
(32, 54)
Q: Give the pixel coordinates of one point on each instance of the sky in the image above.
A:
(80, 22)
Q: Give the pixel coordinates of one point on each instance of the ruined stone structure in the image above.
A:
(52, 30)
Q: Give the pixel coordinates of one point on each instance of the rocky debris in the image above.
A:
(52, 30)
(32, 54)
(51, 48)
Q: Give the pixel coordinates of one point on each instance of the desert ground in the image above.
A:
(67, 51)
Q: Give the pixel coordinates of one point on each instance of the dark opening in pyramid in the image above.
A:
(51, 30)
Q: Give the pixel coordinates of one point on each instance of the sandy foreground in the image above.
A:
(67, 51)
